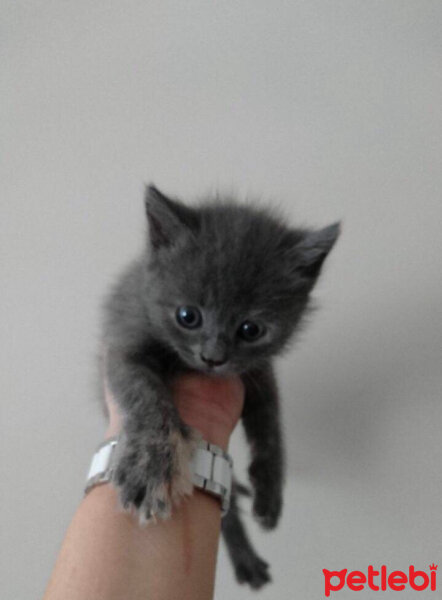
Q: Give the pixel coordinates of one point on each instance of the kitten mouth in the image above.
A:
(211, 370)
(216, 371)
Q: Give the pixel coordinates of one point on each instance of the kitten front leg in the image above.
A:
(262, 427)
(153, 453)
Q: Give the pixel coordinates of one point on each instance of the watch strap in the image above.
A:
(211, 469)
(101, 468)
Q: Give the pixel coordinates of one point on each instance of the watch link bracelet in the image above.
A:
(211, 469)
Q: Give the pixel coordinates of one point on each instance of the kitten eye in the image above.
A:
(189, 317)
(250, 331)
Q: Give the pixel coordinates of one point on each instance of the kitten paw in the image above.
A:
(252, 570)
(152, 477)
(267, 511)
(267, 503)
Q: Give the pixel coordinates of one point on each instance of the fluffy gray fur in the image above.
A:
(235, 263)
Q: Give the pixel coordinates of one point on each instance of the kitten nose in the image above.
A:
(211, 362)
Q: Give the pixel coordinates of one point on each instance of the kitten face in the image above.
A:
(230, 283)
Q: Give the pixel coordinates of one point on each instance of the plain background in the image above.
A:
(330, 109)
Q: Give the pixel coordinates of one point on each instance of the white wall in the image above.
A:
(332, 109)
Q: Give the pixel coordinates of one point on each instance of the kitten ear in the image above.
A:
(313, 249)
(167, 218)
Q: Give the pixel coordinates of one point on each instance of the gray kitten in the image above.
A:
(221, 289)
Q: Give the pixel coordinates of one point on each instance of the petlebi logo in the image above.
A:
(381, 580)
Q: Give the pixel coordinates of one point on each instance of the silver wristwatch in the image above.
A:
(211, 469)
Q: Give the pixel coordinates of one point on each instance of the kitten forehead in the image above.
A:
(237, 259)
(243, 228)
